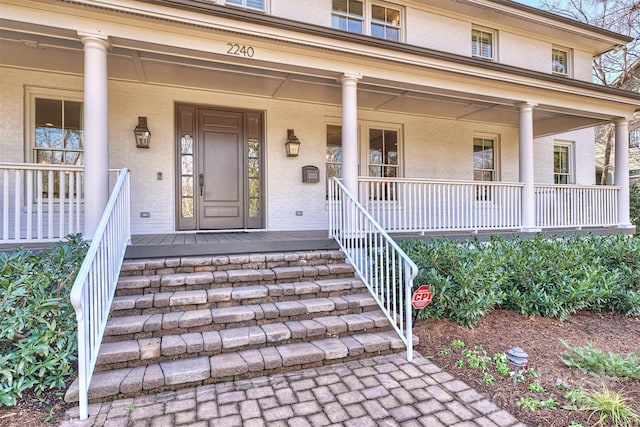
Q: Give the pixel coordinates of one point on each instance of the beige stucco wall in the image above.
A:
(433, 148)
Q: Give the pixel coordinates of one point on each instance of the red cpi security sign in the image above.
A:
(421, 297)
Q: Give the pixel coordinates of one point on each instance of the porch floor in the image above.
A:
(220, 243)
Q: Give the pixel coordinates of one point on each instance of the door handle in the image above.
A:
(201, 182)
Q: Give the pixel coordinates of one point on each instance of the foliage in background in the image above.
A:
(592, 360)
(634, 206)
(37, 321)
(538, 276)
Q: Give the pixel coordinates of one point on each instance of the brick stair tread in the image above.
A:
(200, 297)
(137, 351)
(237, 261)
(221, 367)
(221, 317)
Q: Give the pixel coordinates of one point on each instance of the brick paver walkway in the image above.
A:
(381, 391)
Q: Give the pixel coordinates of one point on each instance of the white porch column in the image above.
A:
(96, 131)
(350, 132)
(622, 172)
(526, 168)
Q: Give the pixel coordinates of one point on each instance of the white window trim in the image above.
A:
(494, 43)
(569, 52)
(364, 145)
(496, 154)
(367, 18)
(267, 6)
(31, 93)
(572, 158)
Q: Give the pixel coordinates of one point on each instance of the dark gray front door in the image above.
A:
(219, 169)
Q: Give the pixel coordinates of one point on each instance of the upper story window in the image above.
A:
(249, 4)
(562, 159)
(373, 18)
(483, 43)
(560, 61)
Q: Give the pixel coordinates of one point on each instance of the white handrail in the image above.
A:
(95, 284)
(381, 264)
(576, 205)
(423, 205)
(40, 202)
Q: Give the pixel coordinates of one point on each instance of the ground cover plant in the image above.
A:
(37, 321)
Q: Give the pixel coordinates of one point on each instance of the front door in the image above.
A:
(219, 165)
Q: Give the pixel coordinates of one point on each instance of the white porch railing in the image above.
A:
(576, 206)
(39, 202)
(95, 285)
(414, 205)
(386, 269)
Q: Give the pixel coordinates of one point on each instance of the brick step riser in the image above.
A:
(154, 329)
(187, 353)
(145, 307)
(181, 373)
(221, 263)
(154, 284)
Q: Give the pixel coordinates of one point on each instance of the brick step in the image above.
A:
(191, 264)
(179, 322)
(165, 302)
(136, 352)
(176, 374)
(199, 280)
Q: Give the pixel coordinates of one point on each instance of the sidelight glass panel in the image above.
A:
(253, 173)
(187, 186)
(186, 172)
(186, 145)
(187, 208)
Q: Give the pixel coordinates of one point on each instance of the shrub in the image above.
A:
(37, 321)
(540, 276)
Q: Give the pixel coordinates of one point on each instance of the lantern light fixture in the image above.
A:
(293, 144)
(142, 133)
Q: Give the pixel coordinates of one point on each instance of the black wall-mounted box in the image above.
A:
(310, 174)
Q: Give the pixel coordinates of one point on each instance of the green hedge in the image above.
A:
(37, 321)
(540, 276)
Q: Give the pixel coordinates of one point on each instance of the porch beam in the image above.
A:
(526, 168)
(622, 171)
(349, 84)
(96, 130)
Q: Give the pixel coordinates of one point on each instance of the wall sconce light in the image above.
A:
(293, 144)
(142, 133)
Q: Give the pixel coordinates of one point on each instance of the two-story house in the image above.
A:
(442, 115)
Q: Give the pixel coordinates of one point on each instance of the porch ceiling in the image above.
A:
(60, 51)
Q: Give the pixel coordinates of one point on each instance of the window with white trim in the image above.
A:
(634, 138)
(377, 19)
(560, 61)
(54, 125)
(249, 4)
(562, 163)
(382, 147)
(483, 43)
(484, 165)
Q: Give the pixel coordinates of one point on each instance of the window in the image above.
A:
(58, 132)
(364, 17)
(484, 165)
(383, 153)
(560, 62)
(562, 158)
(634, 138)
(249, 4)
(483, 43)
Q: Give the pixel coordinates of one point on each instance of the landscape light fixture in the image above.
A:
(518, 358)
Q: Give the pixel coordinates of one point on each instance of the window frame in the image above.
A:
(31, 94)
(265, 9)
(484, 193)
(567, 53)
(570, 174)
(368, 20)
(494, 43)
(364, 128)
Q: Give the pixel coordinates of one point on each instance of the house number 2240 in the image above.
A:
(240, 50)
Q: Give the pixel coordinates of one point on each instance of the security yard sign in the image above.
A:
(421, 297)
